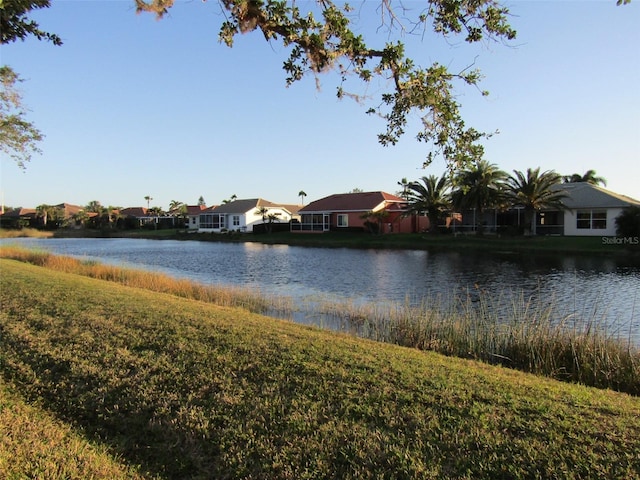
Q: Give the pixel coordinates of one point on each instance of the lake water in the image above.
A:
(604, 289)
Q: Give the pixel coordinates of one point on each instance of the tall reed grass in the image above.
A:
(531, 336)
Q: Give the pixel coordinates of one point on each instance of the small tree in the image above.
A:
(628, 222)
(374, 221)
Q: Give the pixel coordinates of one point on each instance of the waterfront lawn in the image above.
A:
(186, 389)
(485, 243)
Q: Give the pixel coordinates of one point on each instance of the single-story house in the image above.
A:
(358, 211)
(242, 215)
(590, 210)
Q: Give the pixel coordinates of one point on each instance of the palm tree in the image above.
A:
(175, 205)
(42, 211)
(430, 196)
(148, 198)
(589, 177)
(302, 194)
(479, 188)
(262, 211)
(534, 192)
(405, 186)
(94, 206)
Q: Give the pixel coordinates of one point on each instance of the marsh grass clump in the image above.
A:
(530, 336)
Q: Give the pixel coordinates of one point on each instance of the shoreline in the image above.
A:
(619, 247)
(606, 245)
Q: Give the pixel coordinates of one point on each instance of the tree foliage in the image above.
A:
(323, 40)
(430, 196)
(480, 186)
(15, 24)
(588, 177)
(628, 222)
(18, 137)
(534, 191)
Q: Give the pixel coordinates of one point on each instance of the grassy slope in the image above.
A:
(190, 390)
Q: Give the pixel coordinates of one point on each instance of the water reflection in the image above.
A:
(590, 288)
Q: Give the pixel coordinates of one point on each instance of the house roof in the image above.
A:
(134, 212)
(195, 209)
(291, 208)
(243, 206)
(587, 195)
(19, 212)
(352, 202)
(69, 209)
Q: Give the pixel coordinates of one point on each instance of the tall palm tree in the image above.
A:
(479, 188)
(148, 198)
(430, 196)
(534, 192)
(588, 177)
(302, 194)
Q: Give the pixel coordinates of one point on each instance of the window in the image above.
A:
(236, 220)
(590, 220)
(212, 221)
(343, 220)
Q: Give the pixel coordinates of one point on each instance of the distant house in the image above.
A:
(242, 215)
(18, 218)
(139, 214)
(357, 212)
(193, 216)
(54, 216)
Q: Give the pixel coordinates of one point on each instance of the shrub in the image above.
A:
(628, 222)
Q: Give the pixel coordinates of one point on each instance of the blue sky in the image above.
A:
(132, 106)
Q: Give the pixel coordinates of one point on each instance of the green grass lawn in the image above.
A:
(126, 382)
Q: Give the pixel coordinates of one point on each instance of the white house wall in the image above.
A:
(571, 224)
(248, 220)
(252, 218)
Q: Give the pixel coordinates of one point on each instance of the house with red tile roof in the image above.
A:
(361, 211)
